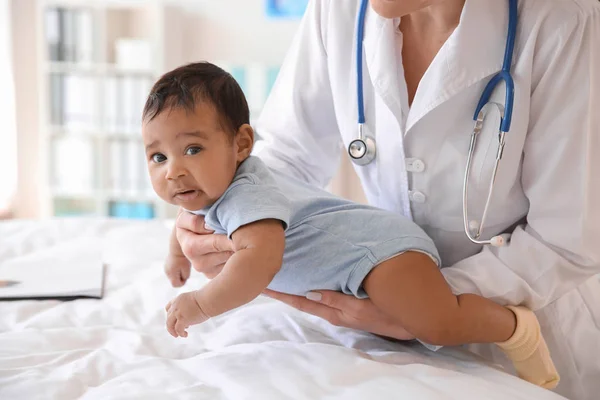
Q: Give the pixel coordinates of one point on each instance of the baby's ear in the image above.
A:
(244, 138)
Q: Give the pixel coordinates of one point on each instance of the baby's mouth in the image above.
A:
(186, 195)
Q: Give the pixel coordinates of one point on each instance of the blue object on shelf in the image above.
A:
(122, 209)
(143, 211)
(118, 209)
(285, 8)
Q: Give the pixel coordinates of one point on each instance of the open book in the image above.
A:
(69, 270)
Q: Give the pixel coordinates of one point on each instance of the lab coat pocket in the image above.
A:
(482, 171)
(486, 150)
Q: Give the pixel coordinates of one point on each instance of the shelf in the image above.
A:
(64, 67)
(99, 59)
(74, 207)
(98, 4)
(93, 133)
(144, 197)
(105, 197)
(75, 195)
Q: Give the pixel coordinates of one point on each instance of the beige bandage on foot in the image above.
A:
(528, 351)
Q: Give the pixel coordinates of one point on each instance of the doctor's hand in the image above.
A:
(344, 310)
(207, 251)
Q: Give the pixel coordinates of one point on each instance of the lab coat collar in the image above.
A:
(473, 52)
(382, 63)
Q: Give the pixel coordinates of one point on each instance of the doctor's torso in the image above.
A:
(434, 132)
(546, 191)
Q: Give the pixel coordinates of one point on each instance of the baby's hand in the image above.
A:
(177, 268)
(182, 312)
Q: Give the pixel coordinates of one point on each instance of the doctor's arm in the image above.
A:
(297, 127)
(559, 247)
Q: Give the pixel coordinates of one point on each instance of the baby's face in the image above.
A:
(191, 159)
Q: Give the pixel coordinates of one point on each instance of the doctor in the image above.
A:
(425, 64)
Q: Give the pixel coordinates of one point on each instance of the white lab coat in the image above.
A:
(548, 187)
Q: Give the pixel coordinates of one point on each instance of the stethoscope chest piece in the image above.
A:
(362, 151)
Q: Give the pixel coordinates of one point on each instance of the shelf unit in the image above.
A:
(83, 152)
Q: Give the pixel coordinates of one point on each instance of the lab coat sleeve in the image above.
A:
(559, 247)
(297, 128)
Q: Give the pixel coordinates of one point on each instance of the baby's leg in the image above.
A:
(411, 289)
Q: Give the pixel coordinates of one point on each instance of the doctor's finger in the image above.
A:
(214, 271)
(191, 222)
(343, 302)
(308, 306)
(211, 263)
(194, 246)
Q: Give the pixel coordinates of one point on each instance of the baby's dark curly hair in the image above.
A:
(190, 84)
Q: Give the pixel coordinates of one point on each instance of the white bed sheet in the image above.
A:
(118, 347)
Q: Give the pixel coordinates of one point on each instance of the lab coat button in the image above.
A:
(417, 197)
(415, 165)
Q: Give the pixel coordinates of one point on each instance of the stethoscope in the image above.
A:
(363, 149)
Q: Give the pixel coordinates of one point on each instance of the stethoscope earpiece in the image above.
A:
(497, 241)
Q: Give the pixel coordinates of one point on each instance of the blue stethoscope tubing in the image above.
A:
(360, 33)
(363, 149)
(503, 75)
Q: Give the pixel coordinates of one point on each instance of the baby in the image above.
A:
(294, 238)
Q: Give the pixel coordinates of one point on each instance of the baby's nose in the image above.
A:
(175, 170)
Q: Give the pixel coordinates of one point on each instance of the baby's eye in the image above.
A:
(192, 151)
(158, 158)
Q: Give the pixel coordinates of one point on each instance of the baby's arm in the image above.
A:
(258, 256)
(177, 266)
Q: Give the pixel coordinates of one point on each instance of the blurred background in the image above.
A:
(75, 74)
